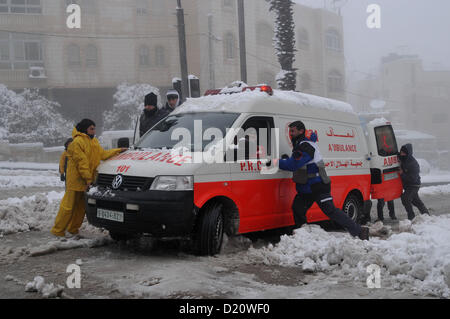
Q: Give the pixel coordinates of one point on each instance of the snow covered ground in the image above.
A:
(413, 258)
(417, 258)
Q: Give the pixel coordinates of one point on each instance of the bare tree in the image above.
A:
(285, 42)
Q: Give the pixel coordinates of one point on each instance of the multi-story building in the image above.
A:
(136, 41)
(415, 98)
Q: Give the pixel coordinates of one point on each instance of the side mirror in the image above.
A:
(123, 142)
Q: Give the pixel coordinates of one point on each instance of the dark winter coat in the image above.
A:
(166, 110)
(410, 166)
(147, 122)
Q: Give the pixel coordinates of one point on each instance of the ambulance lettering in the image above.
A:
(251, 167)
(389, 161)
(161, 157)
(123, 169)
(342, 148)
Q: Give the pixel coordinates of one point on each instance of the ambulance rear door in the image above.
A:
(384, 164)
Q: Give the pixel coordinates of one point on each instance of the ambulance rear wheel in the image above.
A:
(353, 207)
(210, 230)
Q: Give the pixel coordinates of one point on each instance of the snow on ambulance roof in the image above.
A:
(247, 100)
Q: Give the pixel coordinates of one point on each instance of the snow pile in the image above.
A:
(29, 166)
(435, 190)
(224, 102)
(64, 244)
(26, 178)
(234, 102)
(417, 259)
(47, 290)
(29, 213)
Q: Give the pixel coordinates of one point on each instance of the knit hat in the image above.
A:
(151, 99)
(83, 125)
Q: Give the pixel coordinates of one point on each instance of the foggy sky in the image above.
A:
(407, 26)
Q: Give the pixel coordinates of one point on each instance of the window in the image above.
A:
(254, 140)
(305, 82)
(73, 54)
(335, 82)
(91, 56)
(87, 6)
(386, 142)
(21, 6)
(333, 40)
(229, 46)
(141, 7)
(264, 34)
(303, 39)
(160, 56)
(144, 56)
(26, 50)
(161, 135)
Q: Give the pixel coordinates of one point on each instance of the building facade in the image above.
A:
(414, 98)
(136, 41)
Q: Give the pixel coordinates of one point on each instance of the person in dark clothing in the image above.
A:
(380, 207)
(391, 209)
(312, 182)
(173, 100)
(63, 160)
(151, 114)
(410, 175)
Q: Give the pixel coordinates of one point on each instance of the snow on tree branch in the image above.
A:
(128, 105)
(285, 42)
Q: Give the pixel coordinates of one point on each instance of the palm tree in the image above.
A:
(285, 42)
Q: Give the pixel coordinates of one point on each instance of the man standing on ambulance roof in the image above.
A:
(312, 182)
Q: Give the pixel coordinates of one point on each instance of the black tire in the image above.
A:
(353, 208)
(210, 229)
(121, 237)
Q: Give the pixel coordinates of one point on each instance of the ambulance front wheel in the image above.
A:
(209, 230)
(353, 207)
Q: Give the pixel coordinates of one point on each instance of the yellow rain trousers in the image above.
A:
(84, 156)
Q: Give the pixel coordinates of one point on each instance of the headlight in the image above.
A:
(173, 183)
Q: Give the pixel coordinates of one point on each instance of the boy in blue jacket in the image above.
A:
(312, 182)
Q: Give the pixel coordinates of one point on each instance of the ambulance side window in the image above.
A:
(257, 138)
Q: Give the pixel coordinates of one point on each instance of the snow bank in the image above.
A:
(27, 178)
(435, 190)
(29, 213)
(46, 290)
(29, 165)
(417, 260)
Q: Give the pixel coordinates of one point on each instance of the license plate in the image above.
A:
(390, 176)
(110, 215)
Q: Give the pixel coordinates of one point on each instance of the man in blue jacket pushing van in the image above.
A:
(312, 182)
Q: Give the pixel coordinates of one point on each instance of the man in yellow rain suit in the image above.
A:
(85, 154)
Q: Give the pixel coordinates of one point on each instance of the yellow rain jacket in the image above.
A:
(62, 162)
(85, 155)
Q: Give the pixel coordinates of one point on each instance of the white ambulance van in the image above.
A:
(208, 187)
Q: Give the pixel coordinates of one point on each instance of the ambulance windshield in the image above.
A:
(386, 142)
(187, 129)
